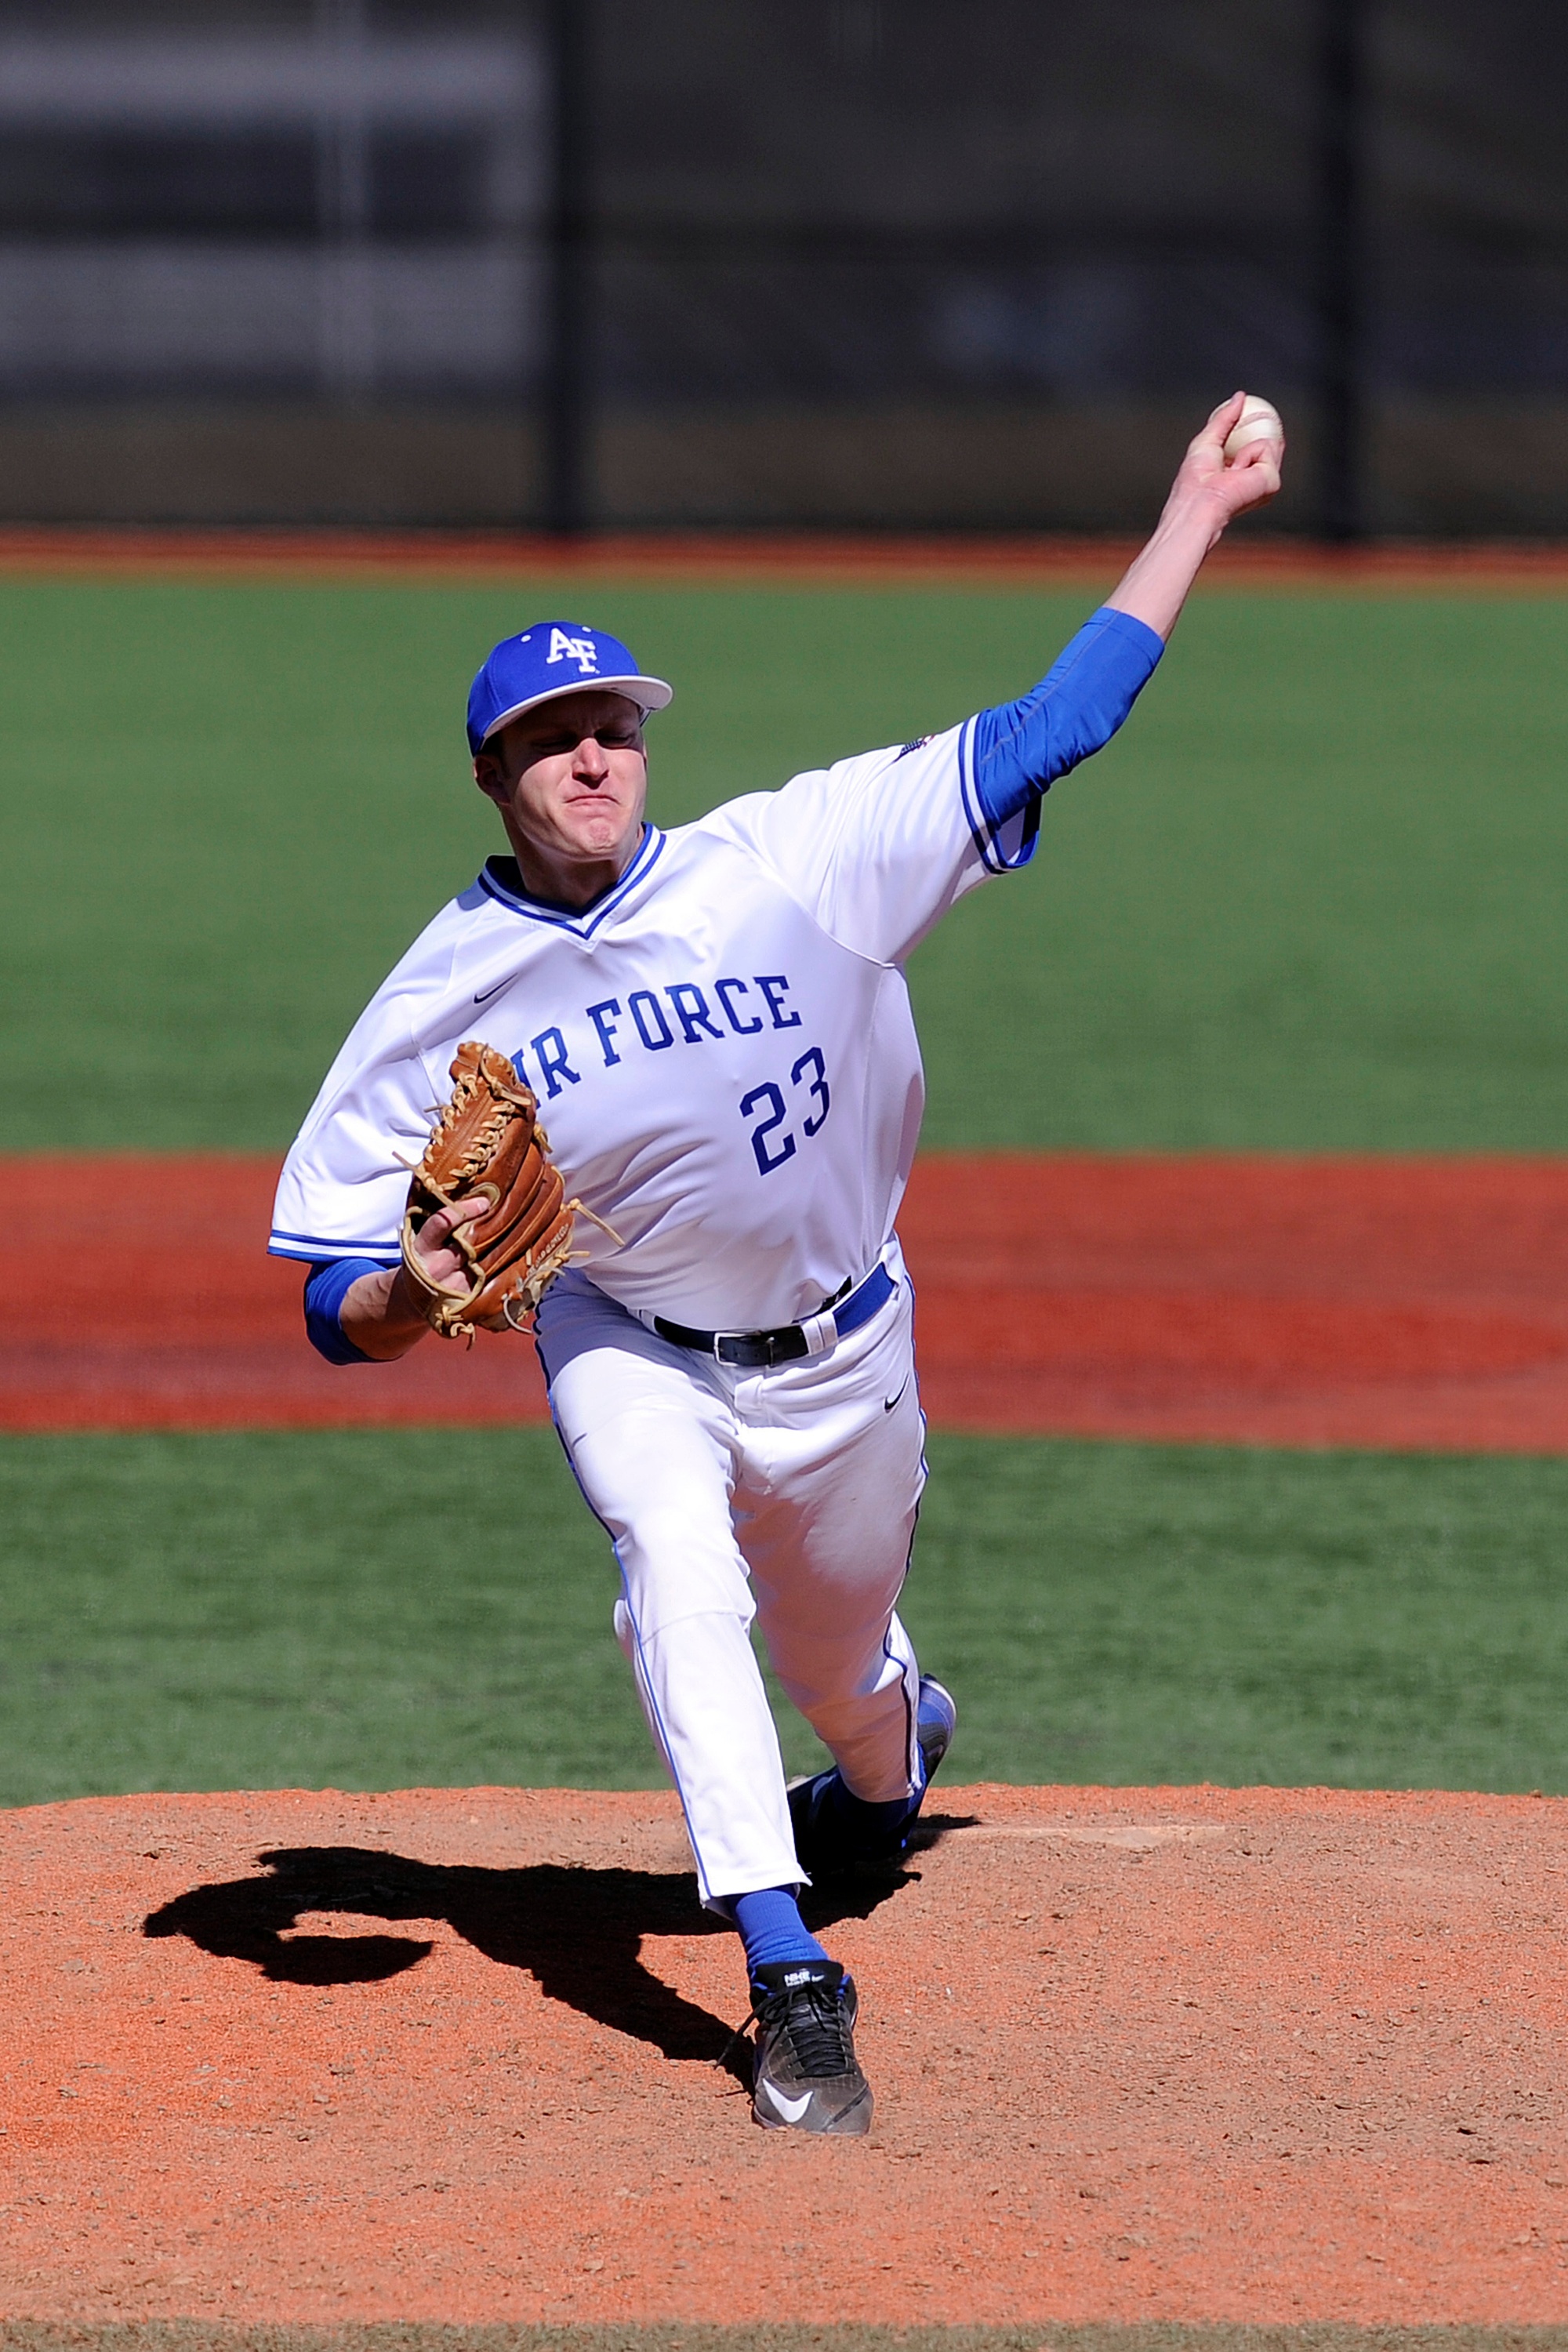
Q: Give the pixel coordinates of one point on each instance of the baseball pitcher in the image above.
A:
(656, 1096)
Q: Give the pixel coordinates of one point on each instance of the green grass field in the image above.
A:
(266, 1610)
(1312, 899)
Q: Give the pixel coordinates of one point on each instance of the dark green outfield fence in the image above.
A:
(778, 262)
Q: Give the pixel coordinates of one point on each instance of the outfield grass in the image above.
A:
(1313, 896)
(359, 1610)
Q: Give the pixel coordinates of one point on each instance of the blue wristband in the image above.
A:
(1021, 747)
(327, 1285)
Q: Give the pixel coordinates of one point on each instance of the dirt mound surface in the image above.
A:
(1395, 1303)
(455, 2056)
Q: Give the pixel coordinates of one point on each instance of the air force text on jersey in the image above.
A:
(645, 1016)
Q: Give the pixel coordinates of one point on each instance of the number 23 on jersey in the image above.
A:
(809, 1101)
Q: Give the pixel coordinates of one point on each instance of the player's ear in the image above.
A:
(490, 776)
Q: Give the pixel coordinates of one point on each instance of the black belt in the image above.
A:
(758, 1350)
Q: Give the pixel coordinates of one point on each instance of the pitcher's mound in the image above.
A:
(456, 2056)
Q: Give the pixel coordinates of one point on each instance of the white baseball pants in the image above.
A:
(788, 1494)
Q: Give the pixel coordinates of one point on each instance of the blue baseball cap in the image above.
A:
(551, 658)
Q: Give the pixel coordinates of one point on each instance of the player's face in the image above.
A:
(570, 780)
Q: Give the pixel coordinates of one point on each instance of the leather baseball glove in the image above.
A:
(488, 1143)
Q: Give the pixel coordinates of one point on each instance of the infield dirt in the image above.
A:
(455, 2057)
(1242, 1298)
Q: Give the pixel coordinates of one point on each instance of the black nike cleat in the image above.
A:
(807, 2076)
(829, 1840)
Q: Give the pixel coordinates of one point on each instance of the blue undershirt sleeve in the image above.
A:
(326, 1285)
(1021, 747)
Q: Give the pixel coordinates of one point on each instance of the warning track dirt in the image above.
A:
(767, 559)
(453, 2058)
(1412, 1303)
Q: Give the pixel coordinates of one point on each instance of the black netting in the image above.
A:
(849, 262)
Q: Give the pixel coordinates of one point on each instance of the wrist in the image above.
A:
(1196, 515)
(402, 1309)
(380, 1317)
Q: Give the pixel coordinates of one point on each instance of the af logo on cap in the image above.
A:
(582, 650)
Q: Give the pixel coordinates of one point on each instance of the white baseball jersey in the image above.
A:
(722, 1045)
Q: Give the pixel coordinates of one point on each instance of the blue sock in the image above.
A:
(772, 1928)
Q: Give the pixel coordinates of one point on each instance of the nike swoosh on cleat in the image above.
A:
(791, 2110)
(888, 1402)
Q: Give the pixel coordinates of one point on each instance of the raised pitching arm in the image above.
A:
(1021, 747)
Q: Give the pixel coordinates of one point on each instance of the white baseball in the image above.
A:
(1260, 421)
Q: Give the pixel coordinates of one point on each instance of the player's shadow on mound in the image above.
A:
(578, 1932)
